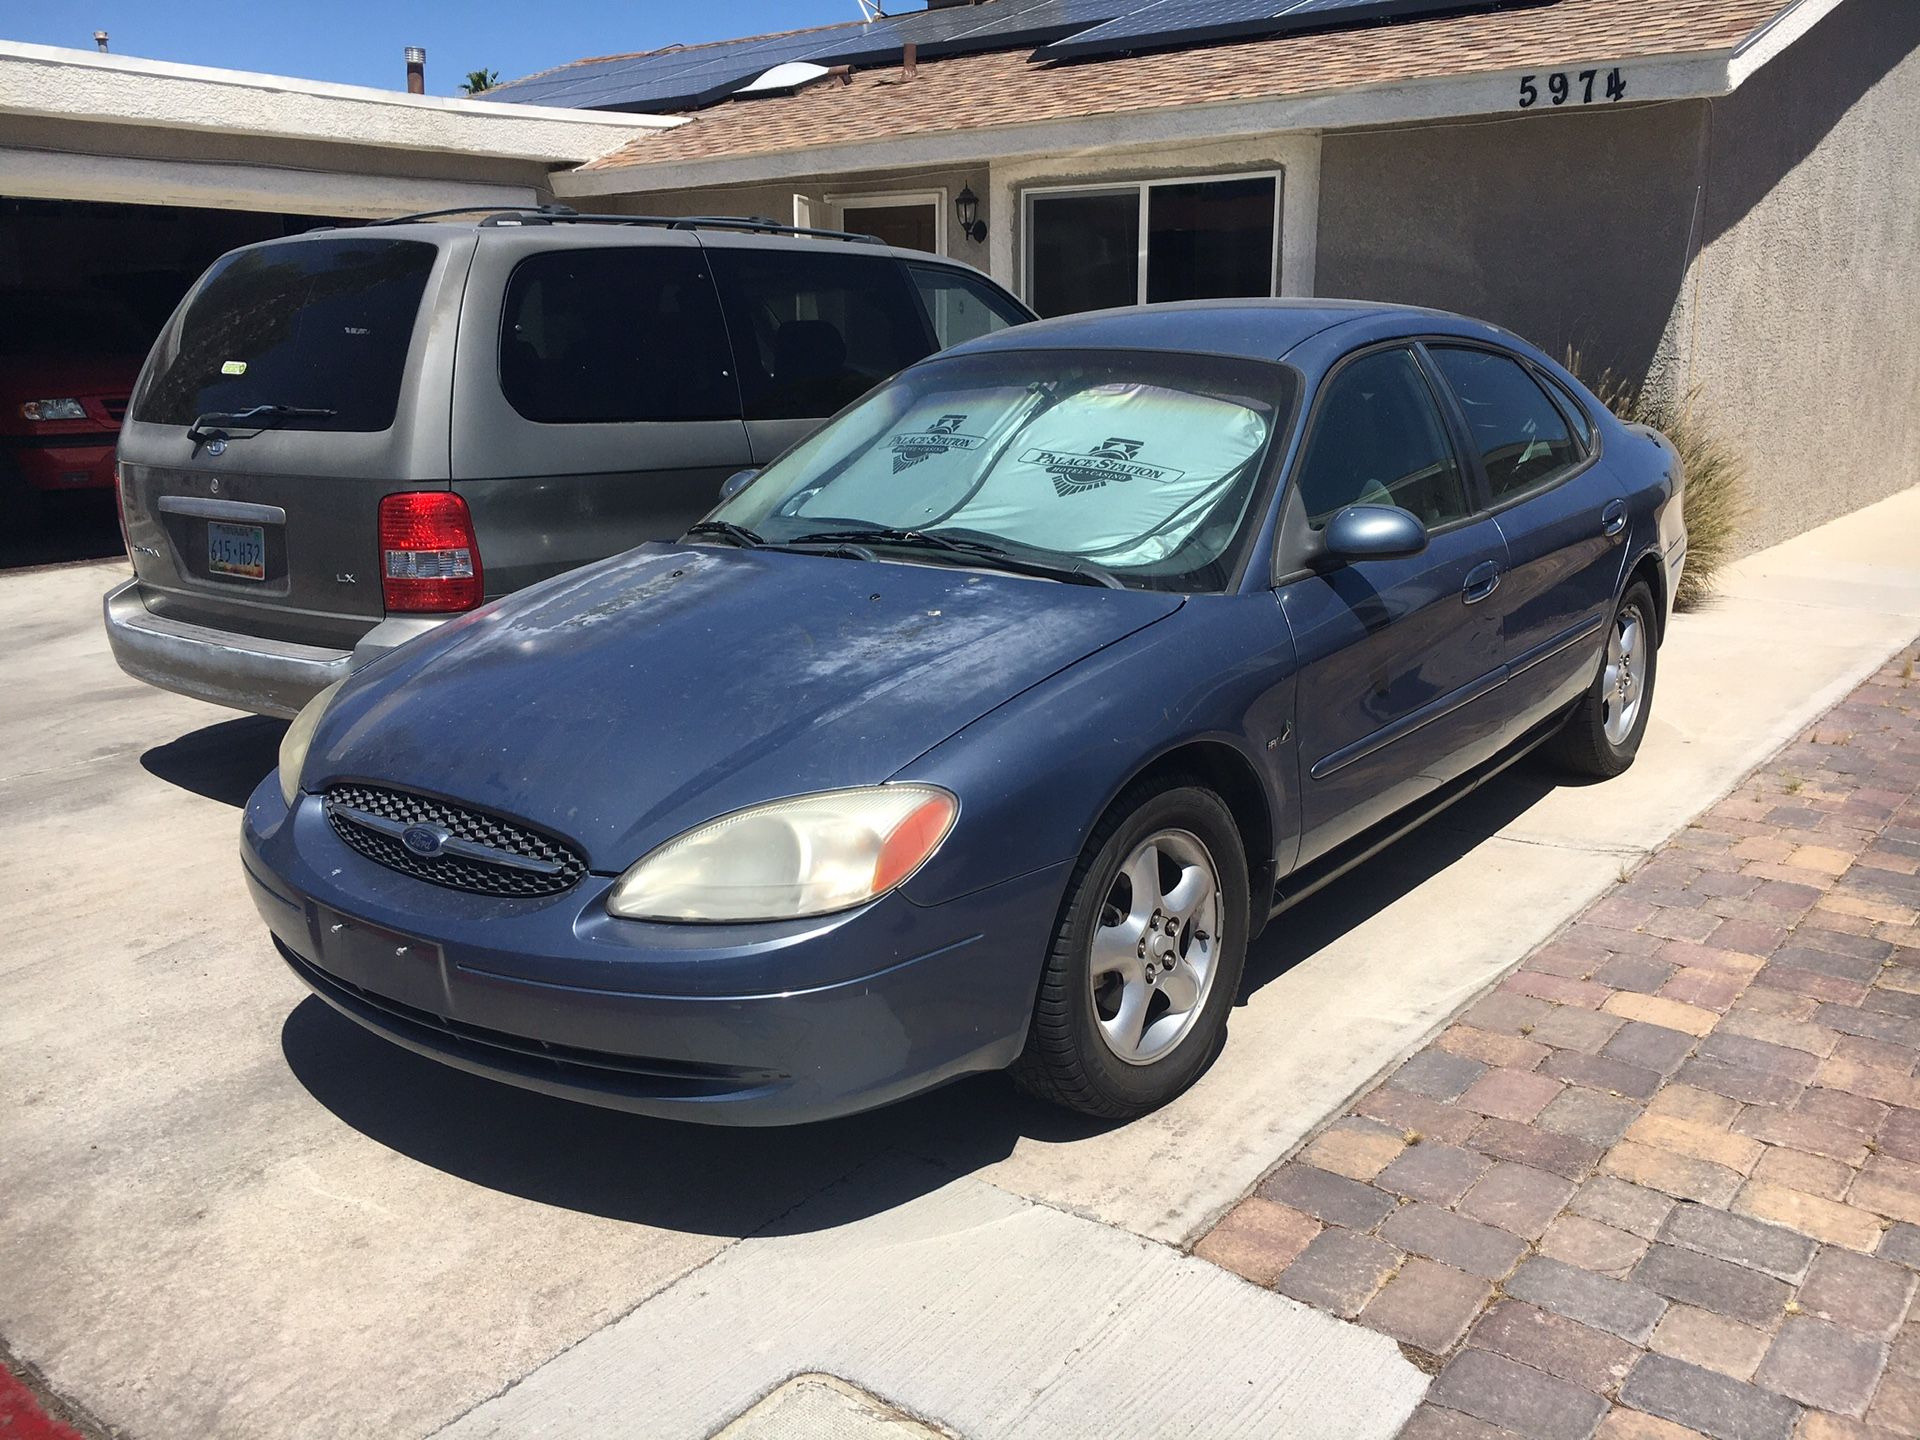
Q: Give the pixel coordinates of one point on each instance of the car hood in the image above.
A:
(620, 704)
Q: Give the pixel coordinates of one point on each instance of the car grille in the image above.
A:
(368, 816)
(116, 407)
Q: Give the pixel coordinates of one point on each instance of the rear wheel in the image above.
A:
(1603, 733)
(1146, 960)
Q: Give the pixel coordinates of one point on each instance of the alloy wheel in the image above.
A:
(1624, 678)
(1155, 946)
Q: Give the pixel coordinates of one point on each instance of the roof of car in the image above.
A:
(1250, 329)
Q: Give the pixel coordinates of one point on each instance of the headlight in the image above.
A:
(806, 856)
(54, 410)
(293, 745)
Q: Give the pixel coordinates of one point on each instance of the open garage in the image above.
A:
(122, 179)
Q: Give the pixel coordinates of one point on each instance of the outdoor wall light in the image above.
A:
(967, 206)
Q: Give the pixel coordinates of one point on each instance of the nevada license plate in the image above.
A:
(237, 550)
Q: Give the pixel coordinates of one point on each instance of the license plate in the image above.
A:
(237, 550)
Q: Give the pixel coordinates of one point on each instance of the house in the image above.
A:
(1721, 194)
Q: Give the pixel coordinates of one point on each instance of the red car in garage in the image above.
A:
(68, 360)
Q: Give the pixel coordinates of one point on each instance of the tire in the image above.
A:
(1602, 735)
(1070, 1058)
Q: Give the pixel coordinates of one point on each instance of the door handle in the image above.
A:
(1481, 582)
(1613, 519)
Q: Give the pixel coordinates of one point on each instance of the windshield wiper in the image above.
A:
(727, 530)
(206, 426)
(1080, 573)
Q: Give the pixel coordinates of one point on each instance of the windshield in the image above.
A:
(1141, 464)
(317, 324)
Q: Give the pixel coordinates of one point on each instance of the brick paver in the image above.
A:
(1663, 1180)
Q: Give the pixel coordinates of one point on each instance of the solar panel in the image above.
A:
(1171, 23)
(1063, 29)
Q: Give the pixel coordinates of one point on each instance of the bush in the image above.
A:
(1715, 471)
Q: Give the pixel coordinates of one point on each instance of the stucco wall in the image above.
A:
(1802, 321)
(1764, 247)
(1570, 229)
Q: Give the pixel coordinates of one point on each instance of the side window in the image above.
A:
(1576, 412)
(816, 329)
(1378, 439)
(961, 306)
(1521, 435)
(609, 336)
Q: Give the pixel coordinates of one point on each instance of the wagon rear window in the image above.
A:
(326, 324)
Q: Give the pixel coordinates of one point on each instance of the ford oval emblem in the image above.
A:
(426, 841)
(217, 446)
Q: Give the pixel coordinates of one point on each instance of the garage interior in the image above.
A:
(128, 265)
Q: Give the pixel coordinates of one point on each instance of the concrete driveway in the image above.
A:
(227, 1212)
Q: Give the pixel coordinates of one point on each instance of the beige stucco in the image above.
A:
(1763, 247)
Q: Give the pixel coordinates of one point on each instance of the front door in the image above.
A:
(910, 224)
(1563, 516)
(1400, 660)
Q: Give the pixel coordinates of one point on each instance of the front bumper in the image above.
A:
(229, 667)
(764, 1024)
(66, 462)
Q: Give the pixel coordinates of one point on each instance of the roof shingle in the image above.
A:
(983, 91)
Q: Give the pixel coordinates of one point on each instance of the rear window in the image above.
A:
(816, 330)
(326, 324)
(605, 336)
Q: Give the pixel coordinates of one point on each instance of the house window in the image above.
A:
(1090, 247)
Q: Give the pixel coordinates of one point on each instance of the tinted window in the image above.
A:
(604, 336)
(321, 323)
(1086, 251)
(1378, 440)
(1210, 238)
(1522, 438)
(1576, 412)
(815, 330)
(961, 306)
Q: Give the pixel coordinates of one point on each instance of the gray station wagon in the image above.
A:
(342, 438)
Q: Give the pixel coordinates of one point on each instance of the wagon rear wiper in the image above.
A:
(1081, 573)
(739, 534)
(206, 425)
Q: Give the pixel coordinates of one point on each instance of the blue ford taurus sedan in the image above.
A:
(987, 727)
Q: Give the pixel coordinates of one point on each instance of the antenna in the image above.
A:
(871, 10)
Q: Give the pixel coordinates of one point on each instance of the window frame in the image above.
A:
(838, 201)
(1589, 454)
(1143, 190)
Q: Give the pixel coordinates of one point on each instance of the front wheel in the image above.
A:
(1603, 733)
(1146, 959)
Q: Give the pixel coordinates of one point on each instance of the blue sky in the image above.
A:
(360, 42)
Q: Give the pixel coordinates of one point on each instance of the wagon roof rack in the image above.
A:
(494, 215)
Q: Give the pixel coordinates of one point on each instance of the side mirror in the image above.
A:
(1373, 532)
(737, 482)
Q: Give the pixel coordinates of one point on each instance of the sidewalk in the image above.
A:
(1663, 1180)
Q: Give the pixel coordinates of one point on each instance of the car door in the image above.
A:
(1561, 511)
(1400, 665)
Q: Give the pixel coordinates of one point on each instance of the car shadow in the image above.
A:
(731, 1182)
(1302, 932)
(223, 761)
(699, 1179)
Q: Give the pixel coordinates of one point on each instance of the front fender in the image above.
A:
(1035, 775)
